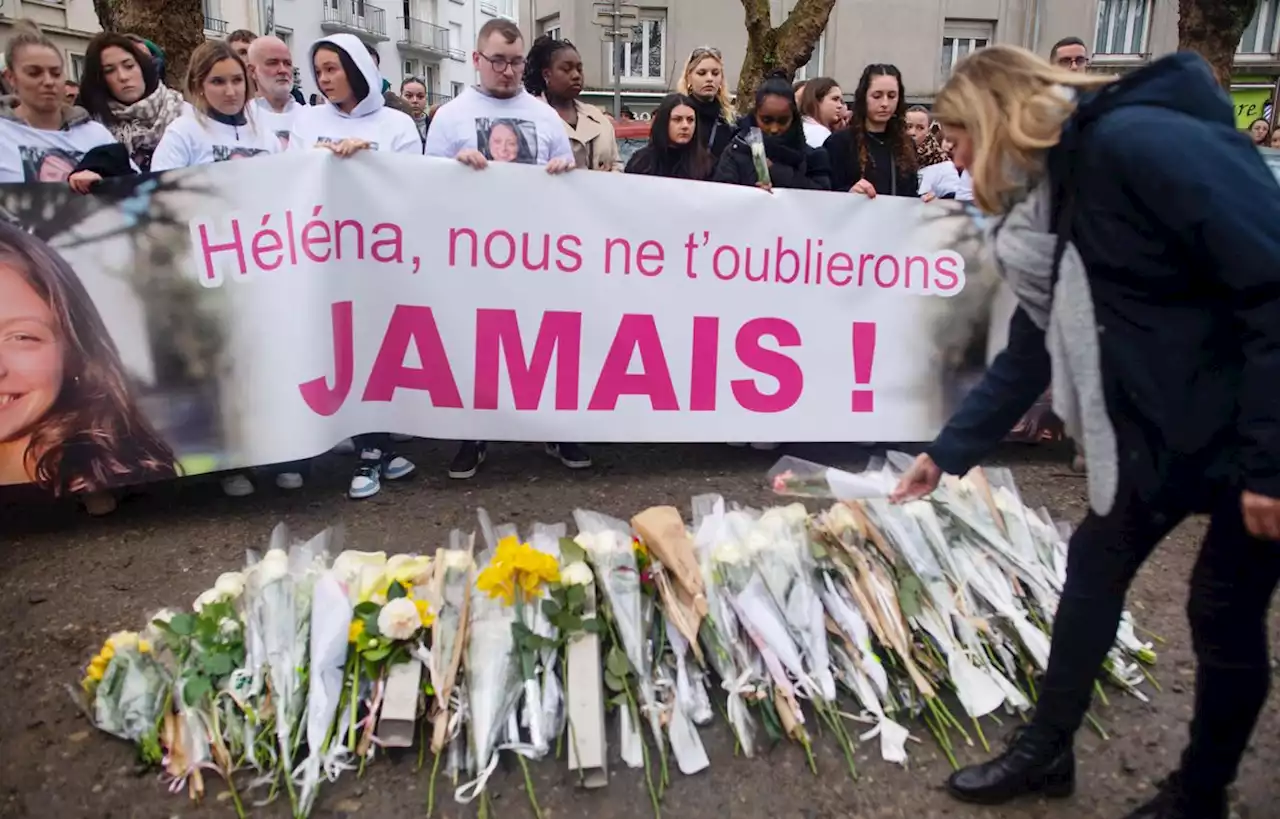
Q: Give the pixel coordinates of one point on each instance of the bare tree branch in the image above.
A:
(784, 48)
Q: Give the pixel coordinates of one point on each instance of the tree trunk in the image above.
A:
(177, 26)
(784, 48)
(1212, 28)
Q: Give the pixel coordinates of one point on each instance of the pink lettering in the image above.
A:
(768, 362)
(635, 332)
(706, 364)
(413, 324)
(317, 394)
(498, 331)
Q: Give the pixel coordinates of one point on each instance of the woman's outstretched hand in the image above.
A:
(921, 479)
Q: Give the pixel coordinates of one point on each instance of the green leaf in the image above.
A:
(620, 701)
(396, 592)
(519, 630)
(570, 622)
(195, 689)
(575, 596)
(527, 666)
(616, 662)
(550, 608)
(571, 552)
(217, 665)
(378, 654)
(594, 626)
(365, 609)
(371, 626)
(613, 682)
(183, 625)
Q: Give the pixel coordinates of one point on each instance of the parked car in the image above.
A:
(632, 136)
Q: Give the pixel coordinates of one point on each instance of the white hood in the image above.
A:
(359, 54)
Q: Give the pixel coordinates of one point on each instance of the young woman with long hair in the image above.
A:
(875, 154)
(42, 139)
(121, 88)
(703, 81)
(69, 420)
(824, 109)
(792, 163)
(929, 150)
(553, 73)
(1164, 353)
(674, 149)
(220, 125)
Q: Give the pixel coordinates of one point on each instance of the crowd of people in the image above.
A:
(1131, 296)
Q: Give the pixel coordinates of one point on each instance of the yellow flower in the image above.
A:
(498, 581)
(144, 646)
(355, 630)
(97, 667)
(88, 684)
(424, 612)
(107, 652)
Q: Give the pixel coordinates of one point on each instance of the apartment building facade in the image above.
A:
(924, 38)
(431, 40)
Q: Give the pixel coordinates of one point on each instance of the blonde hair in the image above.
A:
(1013, 104)
(697, 56)
(26, 34)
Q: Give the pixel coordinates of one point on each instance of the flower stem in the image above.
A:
(978, 727)
(431, 786)
(528, 786)
(355, 705)
(1097, 726)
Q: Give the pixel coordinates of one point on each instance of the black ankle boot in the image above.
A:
(1033, 763)
(1172, 802)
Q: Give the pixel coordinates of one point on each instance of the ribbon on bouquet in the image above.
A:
(739, 712)
(468, 791)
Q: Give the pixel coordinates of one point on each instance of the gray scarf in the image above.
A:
(1024, 247)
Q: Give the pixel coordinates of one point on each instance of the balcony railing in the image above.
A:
(423, 36)
(457, 54)
(358, 17)
(215, 25)
(490, 9)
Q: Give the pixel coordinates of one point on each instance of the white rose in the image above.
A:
(728, 552)
(576, 574)
(758, 541)
(229, 627)
(795, 514)
(457, 559)
(206, 597)
(230, 585)
(399, 619)
(350, 565)
(274, 565)
(409, 570)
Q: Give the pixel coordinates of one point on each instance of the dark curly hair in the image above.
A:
(900, 142)
(541, 56)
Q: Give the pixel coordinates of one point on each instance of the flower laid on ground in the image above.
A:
(886, 615)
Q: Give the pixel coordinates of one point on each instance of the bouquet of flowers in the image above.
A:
(127, 690)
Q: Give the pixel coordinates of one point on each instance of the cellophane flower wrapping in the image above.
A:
(493, 679)
(129, 699)
(330, 624)
(546, 539)
(451, 596)
(608, 544)
(278, 596)
(729, 654)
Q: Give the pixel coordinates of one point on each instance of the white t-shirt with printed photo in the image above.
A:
(34, 155)
(521, 129)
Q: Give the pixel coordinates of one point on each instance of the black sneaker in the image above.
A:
(467, 462)
(571, 455)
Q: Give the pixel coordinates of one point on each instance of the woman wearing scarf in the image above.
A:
(1163, 349)
(121, 88)
(674, 150)
(791, 162)
(703, 81)
(928, 150)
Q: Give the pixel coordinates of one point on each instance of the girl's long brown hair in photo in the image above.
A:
(92, 436)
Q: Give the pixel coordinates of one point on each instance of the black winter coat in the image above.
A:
(810, 171)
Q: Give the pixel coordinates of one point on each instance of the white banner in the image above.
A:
(323, 298)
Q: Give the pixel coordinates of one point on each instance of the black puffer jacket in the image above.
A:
(792, 163)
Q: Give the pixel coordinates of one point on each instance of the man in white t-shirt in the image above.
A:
(498, 121)
(271, 67)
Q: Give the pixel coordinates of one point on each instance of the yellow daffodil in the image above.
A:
(144, 646)
(97, 667)
(107, 652)
(424, 612)
(498, 580)
(88, 684)
(355, 630)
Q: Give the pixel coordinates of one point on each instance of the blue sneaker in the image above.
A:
(367, 480)
(395, 467)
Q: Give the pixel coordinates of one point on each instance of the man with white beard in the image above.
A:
(271, 67)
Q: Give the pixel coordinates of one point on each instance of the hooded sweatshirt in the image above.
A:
(1182, 276)
(33, 155)
(199, 139)
(371, 120)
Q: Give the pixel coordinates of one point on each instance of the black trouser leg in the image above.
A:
(372, 440)
(1104, 555)
(1231, 589)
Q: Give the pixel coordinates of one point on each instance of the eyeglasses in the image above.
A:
(706, 51)
(1073, 62)
(501, 63)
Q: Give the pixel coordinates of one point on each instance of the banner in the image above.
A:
(253, 313)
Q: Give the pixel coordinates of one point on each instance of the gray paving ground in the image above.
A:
(66, 581)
